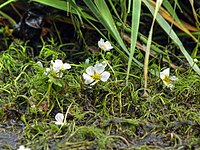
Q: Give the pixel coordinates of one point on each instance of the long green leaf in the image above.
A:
(146, 61)
(136, 8)
(12, 21)
(166, 27)
(58, 4)
(170, 9)
(6, 3)
(63, 5)
(102, 13)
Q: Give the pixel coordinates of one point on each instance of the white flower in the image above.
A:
(47, 71)
(96, 73)
(195, 60)
(59, 119)
(106, 46)
(167, 80)
(22, 147)
(58, 66)
(87, 61)
(40, 64)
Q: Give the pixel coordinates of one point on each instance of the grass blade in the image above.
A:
(63, 5)
(136, 8)
(166, 27)
(146, 61)
(6, 3)
(102, 12)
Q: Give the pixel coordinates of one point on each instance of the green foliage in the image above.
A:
(100, 10)
(115, 114)
(107, 115)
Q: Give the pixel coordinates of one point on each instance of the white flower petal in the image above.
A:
(104, 63)
(22, 147)
(99, 68)
(164, 73)
(59, 117)
(52, 62)
(88, 79)
(85, 76)
(58, 62)
(195, 60)
(59, 123)
(100, 42)
(47, 71)
(173, 78)
(105, 76)
(56, 68)
(40, 64)
(90, 70)
(87, 61)
(107, 46)
(66, 66)
(57, 65)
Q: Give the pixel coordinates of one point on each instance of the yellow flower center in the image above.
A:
(62, 68)
(103, 47)
(167, 80)
(96, 76)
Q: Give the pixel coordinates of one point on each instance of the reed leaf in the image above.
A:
(146, 61)
(136, 9)
(6, 3)
(167, 28)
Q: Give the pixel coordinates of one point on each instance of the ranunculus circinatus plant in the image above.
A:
(96, 73)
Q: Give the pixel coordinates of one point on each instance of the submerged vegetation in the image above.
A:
(99, 74)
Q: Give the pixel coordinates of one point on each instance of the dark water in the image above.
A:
(9, 137)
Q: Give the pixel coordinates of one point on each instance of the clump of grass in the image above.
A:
(111, 114)
(107, 115)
